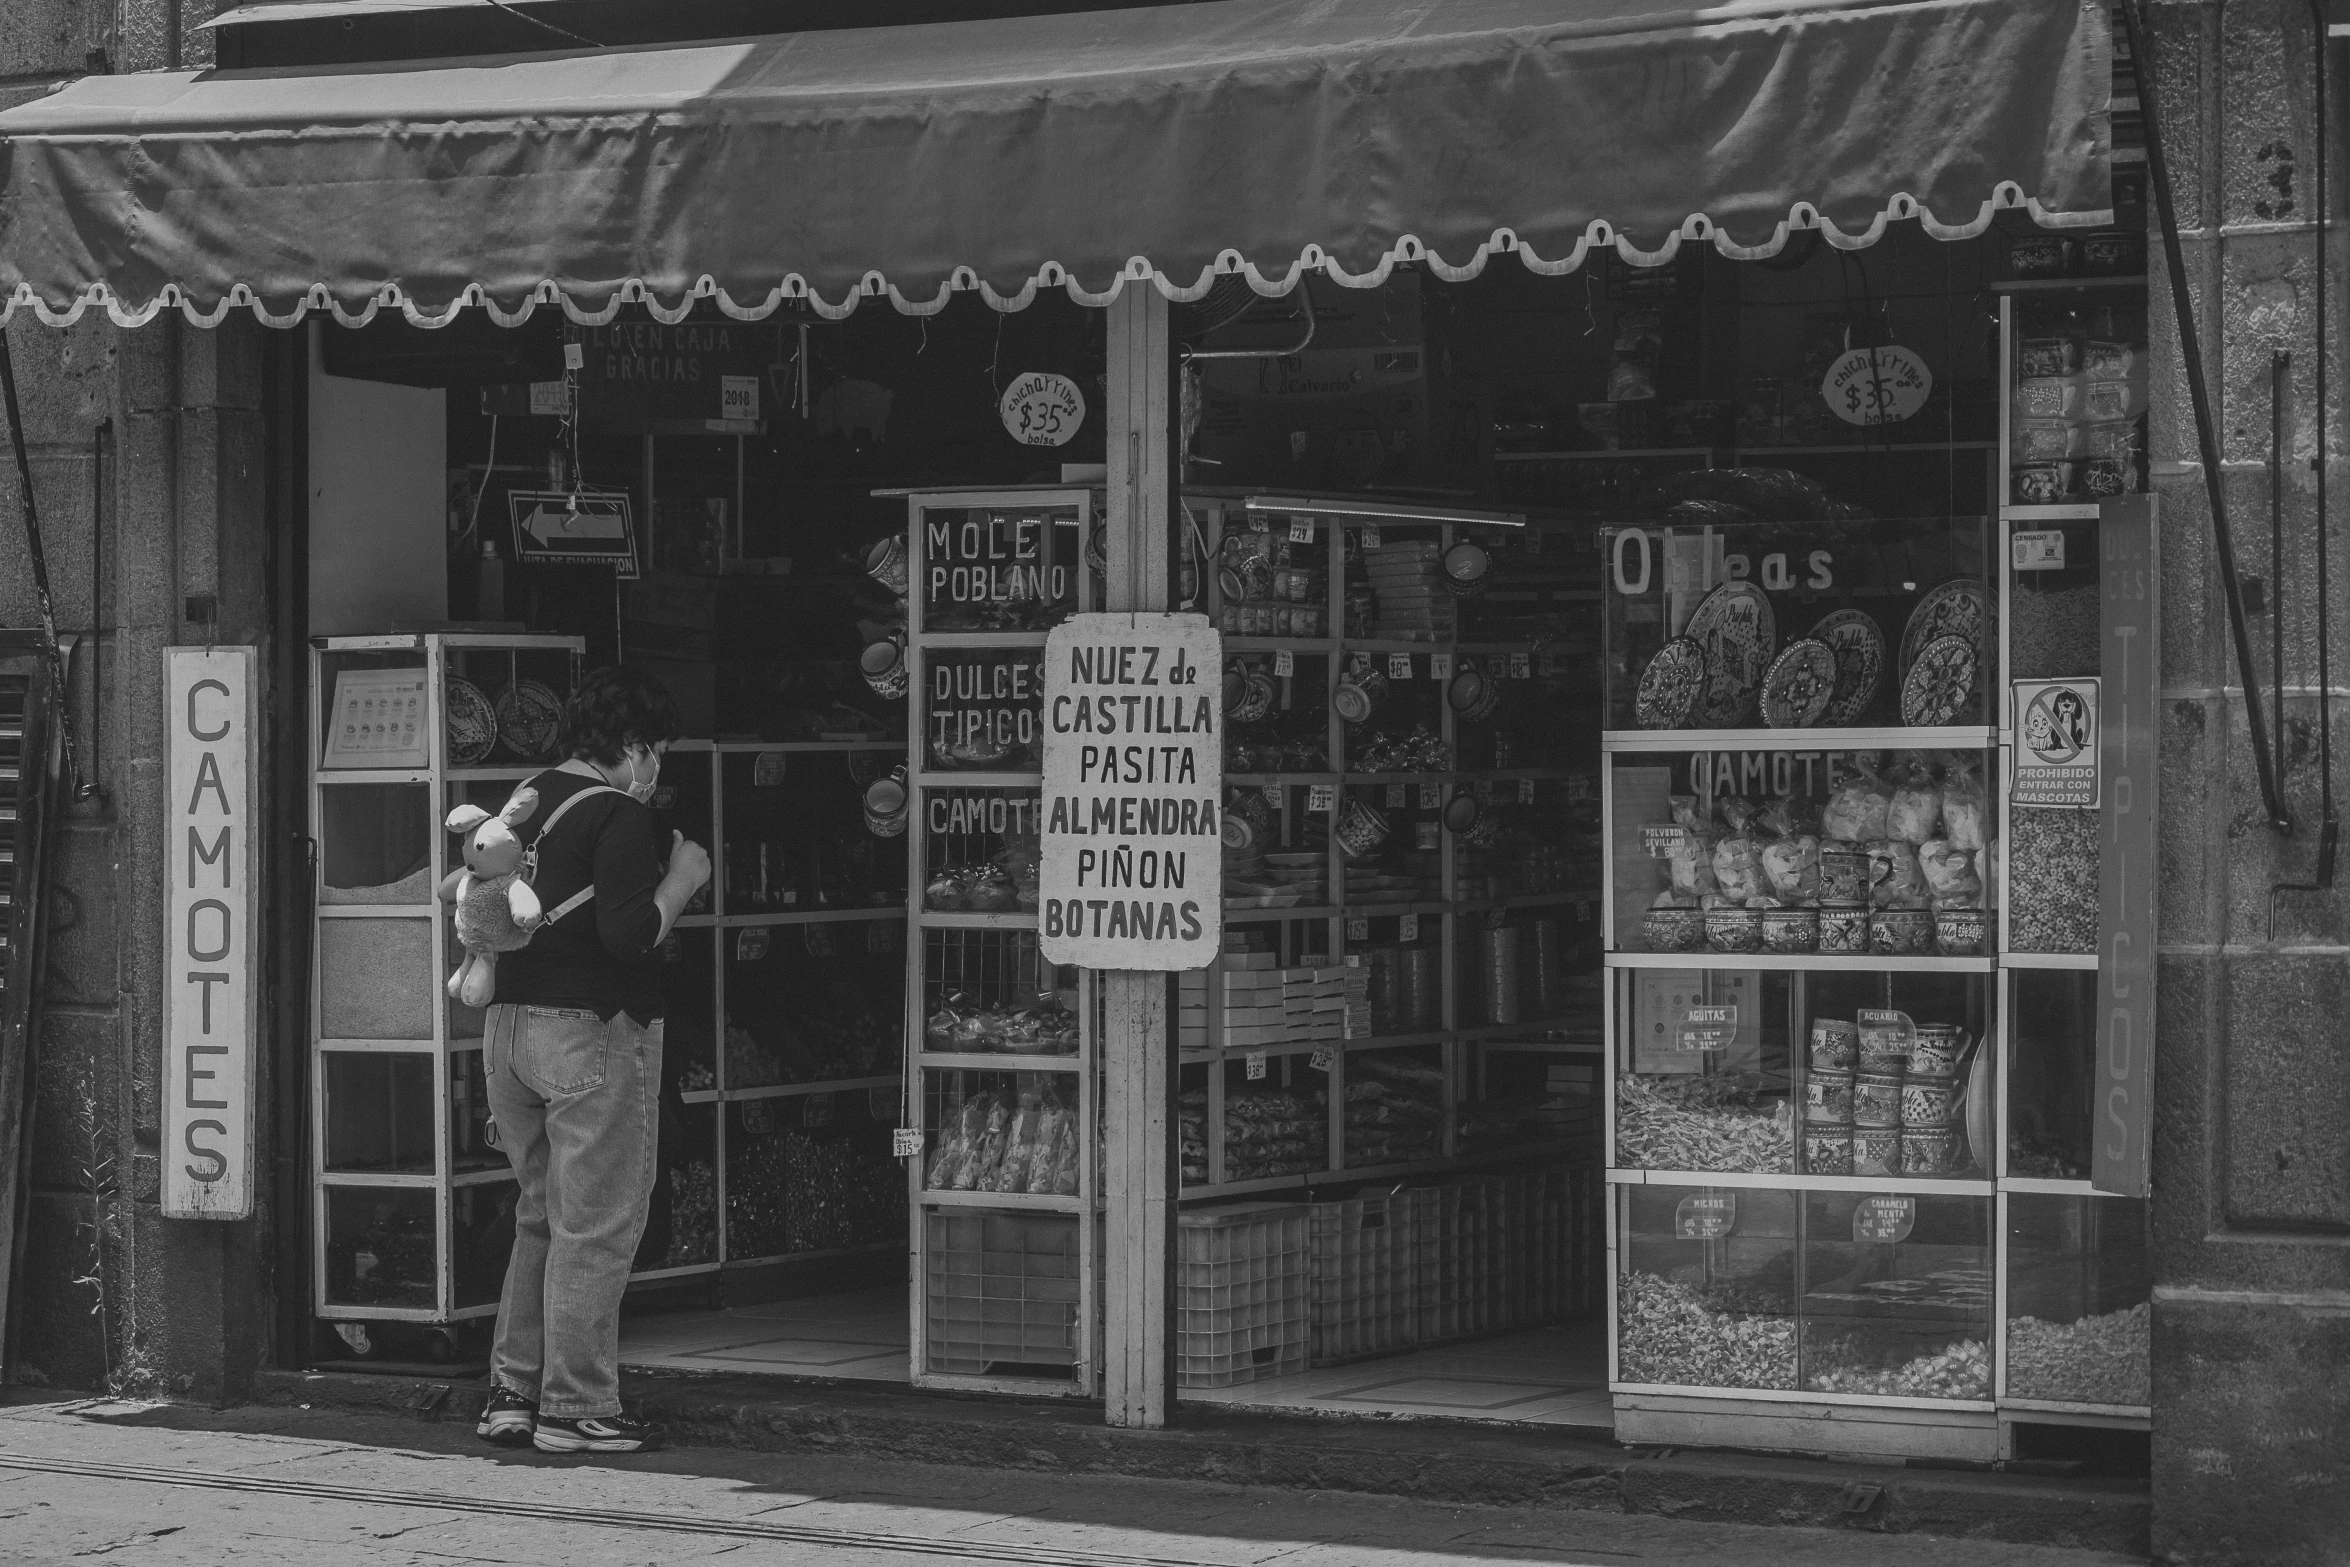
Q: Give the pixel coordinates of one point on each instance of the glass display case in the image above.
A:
(413, 1207)
(2080, 1280)
(1002, 1097)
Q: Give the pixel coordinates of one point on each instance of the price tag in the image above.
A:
(1358, 928)
(574, 356)
(1525, 791)
(767, 769)
(1258, 522)
(672, 948)
(1301, 530)
(1707, 1028)
(1440, 666)
(759, 1116)
(738, 397)
(1706, 1217)
(750, 944)
(1885, 1033)
(2037, 550)
(1370, 536)
(1408, 927)
(1579, 788)
(1550, 664)
(816, 1110)
(1663, 842)
(905, 1142)
(1272, 795)
(1521, 666)
(1284, 663)
(1321, 797)
(1431, 796)
(1256, 1065)
(1320, 1060)
(1884, 1220)
(1041, 409)
(1399, 666)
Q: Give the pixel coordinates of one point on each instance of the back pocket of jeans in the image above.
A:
(563, 1053)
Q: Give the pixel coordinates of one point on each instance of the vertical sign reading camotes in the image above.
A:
(210, 862)
(1133, 869)
(2130, 686)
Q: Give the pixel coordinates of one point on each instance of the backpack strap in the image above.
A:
(531, 855)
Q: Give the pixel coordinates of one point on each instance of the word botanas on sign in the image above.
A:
(1132, 874)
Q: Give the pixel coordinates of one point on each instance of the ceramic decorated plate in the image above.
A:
(473, 726)
(1801, 682)
(1859, 646)
(1958, 608)
(529, 717)
(1671, 686)
(1739, 632)
(1940, 685)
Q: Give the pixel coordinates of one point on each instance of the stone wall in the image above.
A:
(2252, 1085)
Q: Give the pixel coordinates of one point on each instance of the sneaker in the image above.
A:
(597, 1434)
(506, 1418)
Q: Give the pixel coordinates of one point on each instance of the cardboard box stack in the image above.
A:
(1406, 578)
(1264, 1004)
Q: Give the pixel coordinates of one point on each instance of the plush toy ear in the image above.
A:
(518, 809)
(465, 818)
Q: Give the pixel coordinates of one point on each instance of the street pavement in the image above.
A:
(146, 1485)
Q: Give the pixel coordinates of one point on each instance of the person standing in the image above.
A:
(572, 1055)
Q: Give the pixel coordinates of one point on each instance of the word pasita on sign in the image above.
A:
(1132, 876)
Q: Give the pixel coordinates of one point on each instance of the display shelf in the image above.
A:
(2049, 960)
(2058, 285)
(494, 774)
(1412, 1170)
(2052, 511)
(372, 775)
(1871, 1185)
(2050, 1186)
(1284, 780)
(1033, 1202)
(378, 911)
(949, 641)
(387, 1179)
(488, 1177)
(966, 919)
(929, 779)
(1956, 737)
(799, 747)
(1887, 448)
(989, 1061)
(1340, 508)
(1817, 962)
(1312, 645)
(1259, 915)
(1611, 454)
(2119, 1417)
(818, 916)
(1772, 1395)
(813, 1254)
(705, 1096)
(682, 1271)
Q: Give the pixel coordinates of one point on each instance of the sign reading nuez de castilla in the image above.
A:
(1132, 872)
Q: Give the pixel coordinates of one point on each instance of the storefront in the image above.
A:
(1675, 517)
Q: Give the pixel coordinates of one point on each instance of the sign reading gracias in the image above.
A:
(1132, 876)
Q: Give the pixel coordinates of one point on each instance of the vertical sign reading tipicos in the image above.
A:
(1132, 875)
(2130, 667)
(210, 862)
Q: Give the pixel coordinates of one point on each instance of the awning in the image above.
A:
(1169, 144)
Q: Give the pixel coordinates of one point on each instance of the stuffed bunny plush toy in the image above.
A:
(496, 909)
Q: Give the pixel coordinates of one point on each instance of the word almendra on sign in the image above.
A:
(1136, 818)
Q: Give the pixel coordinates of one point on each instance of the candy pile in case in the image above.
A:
(2097, 1360)
(2054, 907)
(697, 1078)
(1702, 1123)
(1961, 1369)
(390, 1262)
(1024, 1142)
(984, 889)
(962, 1026)
(693, 1214)
(1267, 1131)
(791, 1192)
(1272, 754)
(2054, 631)
(1421, 751)
(1669, 1334)
(1394, 1111)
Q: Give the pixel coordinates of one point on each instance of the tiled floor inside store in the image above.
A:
(1549, 1375)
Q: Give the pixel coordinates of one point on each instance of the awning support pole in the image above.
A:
(1137, 1057)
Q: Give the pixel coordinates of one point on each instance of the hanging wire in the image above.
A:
(40, 561)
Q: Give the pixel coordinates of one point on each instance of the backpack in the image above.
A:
(530, 855)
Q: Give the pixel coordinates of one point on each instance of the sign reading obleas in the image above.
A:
(210, 928)
(1132, 873)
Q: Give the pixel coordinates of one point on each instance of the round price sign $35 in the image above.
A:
(1876, 385)
(1042, 409)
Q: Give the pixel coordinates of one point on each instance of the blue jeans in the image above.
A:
(578, 1108)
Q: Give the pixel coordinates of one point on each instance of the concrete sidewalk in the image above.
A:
(275, 1487)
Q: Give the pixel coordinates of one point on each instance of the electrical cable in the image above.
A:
(40, 560)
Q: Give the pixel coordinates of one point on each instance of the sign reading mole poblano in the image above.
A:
(1132, 876)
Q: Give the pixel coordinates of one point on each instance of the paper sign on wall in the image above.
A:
(1133, 869)
(210, 930)
(1042, 409)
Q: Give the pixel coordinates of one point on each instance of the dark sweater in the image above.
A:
(601, 956)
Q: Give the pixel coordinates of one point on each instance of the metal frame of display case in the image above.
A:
(922, 780)
(1464, 1044)
(431, 651)
(2015, 1411)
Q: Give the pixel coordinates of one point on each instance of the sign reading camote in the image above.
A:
(1133, 870)
(210, 862)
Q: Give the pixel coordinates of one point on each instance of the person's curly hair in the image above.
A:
(614, 708)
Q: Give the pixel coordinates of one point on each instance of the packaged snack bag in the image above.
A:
(1691, 865)
(1966, 804)
(1950, 874)
(1857, 810)
(1916, 807)
(1790, 855)
(1898, 883)
(1737, 859)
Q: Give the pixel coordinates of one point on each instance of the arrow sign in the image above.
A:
(588, 529)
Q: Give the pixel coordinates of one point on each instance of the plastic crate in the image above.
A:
(1000, 1292)
(1243, 1293)
(1366, 1287)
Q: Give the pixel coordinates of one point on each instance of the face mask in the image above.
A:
(641, 791)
